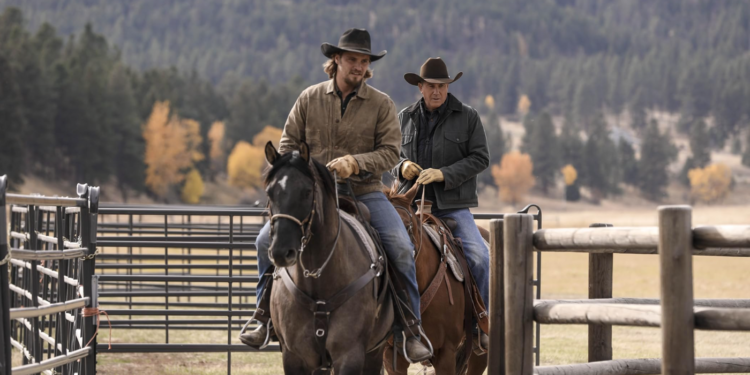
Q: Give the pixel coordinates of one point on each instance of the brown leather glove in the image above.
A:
(344, 166)
(429, 176)
(410, 170)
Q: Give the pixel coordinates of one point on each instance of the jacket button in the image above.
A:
(337, 121)
(456, 139)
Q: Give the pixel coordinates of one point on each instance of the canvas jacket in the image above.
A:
(368, 130)
(459, 150)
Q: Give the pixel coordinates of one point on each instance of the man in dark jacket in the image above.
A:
(443, 147)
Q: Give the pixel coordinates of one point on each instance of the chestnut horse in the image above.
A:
(443, 318)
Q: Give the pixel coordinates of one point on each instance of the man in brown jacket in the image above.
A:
(354, 129)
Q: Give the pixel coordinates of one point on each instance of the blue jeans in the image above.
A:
(477, 253)
(393, 235)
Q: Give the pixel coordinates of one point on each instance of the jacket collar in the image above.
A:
(453, 104)
(362, 91)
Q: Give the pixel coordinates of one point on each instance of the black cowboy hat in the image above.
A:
(353, 40)
(433, 71)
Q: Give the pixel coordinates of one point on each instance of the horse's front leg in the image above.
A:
(293, 364)
(350, 362)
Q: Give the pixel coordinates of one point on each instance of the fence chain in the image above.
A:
(5, 260)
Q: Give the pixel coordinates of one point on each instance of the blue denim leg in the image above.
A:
(262, 243)
(395, 240)
(477, 254)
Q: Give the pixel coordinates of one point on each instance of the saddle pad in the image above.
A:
(452, 261)
(360, 230)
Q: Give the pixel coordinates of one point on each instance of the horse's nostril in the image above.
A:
(291, 254)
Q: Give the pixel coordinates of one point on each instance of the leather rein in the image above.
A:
(306, 227)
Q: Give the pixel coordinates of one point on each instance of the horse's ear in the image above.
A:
(412, 193)
(271, 153)
(304, 151)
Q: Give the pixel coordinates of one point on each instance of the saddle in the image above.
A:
(451, 250)
(352, 206)
(349, 204)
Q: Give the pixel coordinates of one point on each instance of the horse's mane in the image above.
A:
(293, 159)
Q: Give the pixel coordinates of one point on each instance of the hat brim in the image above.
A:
(329, 50)
(416, 79)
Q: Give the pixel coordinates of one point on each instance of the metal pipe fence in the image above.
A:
(165, 270)
(46, 275)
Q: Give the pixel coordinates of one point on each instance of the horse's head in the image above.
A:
(293, 194)
(402, 203)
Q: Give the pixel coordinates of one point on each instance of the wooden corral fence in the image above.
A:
(514, 310)
(46, 269)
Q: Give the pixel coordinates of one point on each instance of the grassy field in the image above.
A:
(564, 276)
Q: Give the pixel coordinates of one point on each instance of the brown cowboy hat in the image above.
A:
(433, 71)
(353, 40)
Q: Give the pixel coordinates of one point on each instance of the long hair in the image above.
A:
(330, 67)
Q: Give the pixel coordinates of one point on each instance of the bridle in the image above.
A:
(305, 226)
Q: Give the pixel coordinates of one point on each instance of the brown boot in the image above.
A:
(259, 337)
(262, 335)
(413, 349)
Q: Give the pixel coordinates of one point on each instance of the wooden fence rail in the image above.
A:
(676, 312)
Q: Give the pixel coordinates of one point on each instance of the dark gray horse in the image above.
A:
(327, 303)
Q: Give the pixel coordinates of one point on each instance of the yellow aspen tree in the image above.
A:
(245, 165)
(489, 101)
(193, 188)
(269, 133)
(570, 175)
(514, 176)
(710, 184)
(172, 147)
(524, 105)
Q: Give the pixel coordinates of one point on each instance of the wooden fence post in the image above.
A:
(518, 230)
(600, 286)
(5, 352)
(496, 360)
(676, 264)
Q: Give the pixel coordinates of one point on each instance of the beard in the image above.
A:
(353, 81)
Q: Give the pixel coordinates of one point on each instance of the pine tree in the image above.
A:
(600, 163)
(746, 154)
(628, 163)
(586, 102)
(508, 98)
(497, 144)
(13, 123)
(728, 111)
(699, 147)
(543, 146)
(571, 145)
(638, 111)
(126, 126)
(657, 152)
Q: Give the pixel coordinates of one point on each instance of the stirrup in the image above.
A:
(477, 345)
(269, 327)
(403, 345)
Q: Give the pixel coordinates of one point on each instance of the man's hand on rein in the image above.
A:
(429, 176)
(344, 166)
(410, 170)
